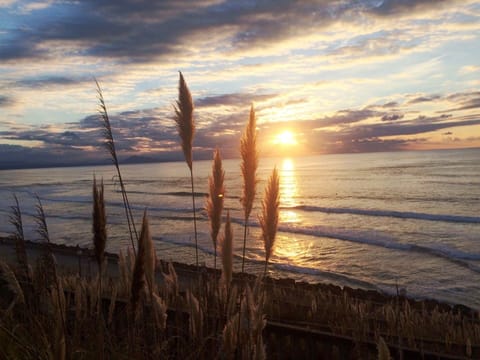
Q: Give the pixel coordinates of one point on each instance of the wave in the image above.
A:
(372, 238)
(457, 256)
(171, 193)
(336, 278)
(281, 266)
(390, 213)
(198, 194)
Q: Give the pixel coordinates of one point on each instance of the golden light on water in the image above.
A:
(288, 192)
(290, 249)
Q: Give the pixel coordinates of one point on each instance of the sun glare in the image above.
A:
(285, 138)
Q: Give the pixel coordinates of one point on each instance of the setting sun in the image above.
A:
(285, 138)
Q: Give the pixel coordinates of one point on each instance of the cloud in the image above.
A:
(348, 117)
(394, 129)
(423, 99)
(6, 3)
(49, 81)
(21, 46)
(395, 7)
(146, 30)
(469, 69)
(236, 99)
(5, 101)
(468, 104)
(392, 117)
(390, 104)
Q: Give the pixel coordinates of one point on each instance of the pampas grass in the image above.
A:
(226, 246)
(138, 278)
(150, 254)
(11, 289)
(383, 351)
(16, 221)
(186, 131)
(41, 221)
(49, 266)
(110, 145)
(269, 217)
(249, 153)
(214, 204)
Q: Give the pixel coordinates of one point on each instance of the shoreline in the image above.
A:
(80, 261)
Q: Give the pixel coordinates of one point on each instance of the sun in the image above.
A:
(285, 138)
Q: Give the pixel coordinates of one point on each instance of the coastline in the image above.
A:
(80, 261)
(296, 317)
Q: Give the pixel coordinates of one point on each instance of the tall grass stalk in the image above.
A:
(99, 227)
(249, 153)
(226, 248)
(186, 131)
(269, 217)
(150, 255)
(21, 251)
(50, 264)
(110, 144)
(215, 199)
(138, 278)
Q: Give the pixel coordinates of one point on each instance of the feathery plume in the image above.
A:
(171, 282)
(186, 131)
(269, 217)
(248, 150)
(110, 145)
(41, 221)
(214, 204)
(226, 246)
(184, 119)
(99, 227)
(11, 289)
(382, 348)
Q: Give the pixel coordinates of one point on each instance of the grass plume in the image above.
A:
(186, 131)
(184, 119)
(110, 145)
(215, 199)
(269, 217)
(249, 153)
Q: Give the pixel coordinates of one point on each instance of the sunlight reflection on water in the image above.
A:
(288, 192)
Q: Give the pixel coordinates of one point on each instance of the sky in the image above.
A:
(331, 76)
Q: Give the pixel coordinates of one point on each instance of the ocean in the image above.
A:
(383, 221)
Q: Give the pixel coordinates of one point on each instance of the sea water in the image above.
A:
(384, 221)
